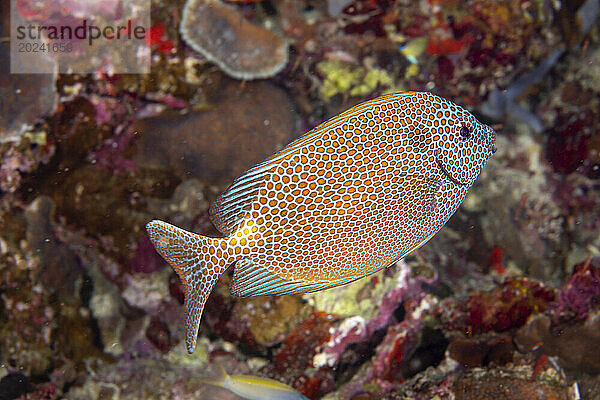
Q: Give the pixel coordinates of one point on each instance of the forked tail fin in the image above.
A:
(221, 381)
(198, 260)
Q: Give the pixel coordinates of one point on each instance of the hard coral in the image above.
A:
(579, 295)
(24, 100)
(295, 355)
(503, 308)
(240, 48)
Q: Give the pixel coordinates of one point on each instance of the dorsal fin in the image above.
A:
(230, 207)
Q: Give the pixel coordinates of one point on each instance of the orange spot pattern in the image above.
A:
(352, 196)
(362, 194)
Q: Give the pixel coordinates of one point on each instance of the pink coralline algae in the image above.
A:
(145, 259)
(396, 356)
(296, 355)
(579, 295)
(355, 330)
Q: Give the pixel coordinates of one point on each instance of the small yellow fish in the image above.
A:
(413, 48)
(347, 199)
(255, 388)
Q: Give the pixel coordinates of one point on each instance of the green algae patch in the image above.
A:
(179, 355)
(346, 79)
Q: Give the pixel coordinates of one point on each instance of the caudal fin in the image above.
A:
(194, 259)
(221, 381)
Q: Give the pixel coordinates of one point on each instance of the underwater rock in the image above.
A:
(24, 98)
(14, 385)
(147, 291)
(448, 381)
(401, 353)
(45, 391)
(221, 34)
(146, 259)
(471, 352)
(105, 300)
(27, 320)
(184, 207)
(76, 336)
(295, 356)
(568, 142)
(139, 378)
(76, 133)
(18, 161)
(395, 350)
(497, 387)
(158, 333)
(369, 305)
(79, 194)
(506, 307)
(256, 323)
(577, 345)
(517, 211)
(271, 318)
(243, 127)
(59, 268)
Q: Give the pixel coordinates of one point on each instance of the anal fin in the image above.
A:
(251, 280)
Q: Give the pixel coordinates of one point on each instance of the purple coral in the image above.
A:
(579, 294)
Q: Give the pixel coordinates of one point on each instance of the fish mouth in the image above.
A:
(447, 174)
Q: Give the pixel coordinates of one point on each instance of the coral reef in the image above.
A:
(240, 48)
(179, 142)
(25, 101)
(503, 303)
(505, 307)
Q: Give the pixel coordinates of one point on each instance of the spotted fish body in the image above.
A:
(350, 197)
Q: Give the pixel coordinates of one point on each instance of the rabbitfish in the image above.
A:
(345, 200)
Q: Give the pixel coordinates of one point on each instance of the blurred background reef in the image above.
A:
(503, 303)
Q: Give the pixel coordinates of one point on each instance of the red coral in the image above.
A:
(296, 354)
(445, 46)
(158, 39)
(506, 307)
(495, 260)
(567, 145)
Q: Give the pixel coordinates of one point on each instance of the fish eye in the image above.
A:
(465, 132)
